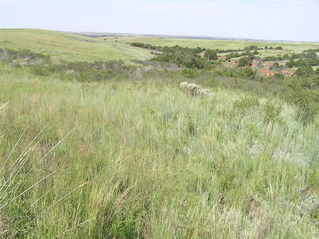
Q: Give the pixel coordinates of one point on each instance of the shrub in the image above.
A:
(26, 55)
(183, 57)
(247, 73)
(244, 61)
(306, 99)
(256, 52)
(279, 76)
(291, 63)
(275, 66)
(211, 55)
(304, 71)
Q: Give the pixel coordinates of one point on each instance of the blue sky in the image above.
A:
(296, 20)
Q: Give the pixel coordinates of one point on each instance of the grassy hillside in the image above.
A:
(153, 161)
(63, 46)
(214, 44)
(134, 155)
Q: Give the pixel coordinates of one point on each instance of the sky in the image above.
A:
(289, 20)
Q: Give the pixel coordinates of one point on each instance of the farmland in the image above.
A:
(99, 140)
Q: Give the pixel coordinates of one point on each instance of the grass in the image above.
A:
(215, 44)
(67, 47)
(146, 159)
(154, 162)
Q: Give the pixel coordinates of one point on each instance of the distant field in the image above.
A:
(214, 44)
(62, 46)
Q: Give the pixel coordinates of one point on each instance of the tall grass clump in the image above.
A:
(17, 180)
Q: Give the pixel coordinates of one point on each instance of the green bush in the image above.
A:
(211, 55)
(247, 73)
(244, 61)
(183, 57)
(291, 63)
(305, 98)
(304, 71)
(26, 55)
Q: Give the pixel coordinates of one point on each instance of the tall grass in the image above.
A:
(147, 160)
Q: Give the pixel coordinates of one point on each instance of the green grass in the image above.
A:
(215, 44)
(144, 159)
(67, 47)
(155, 162)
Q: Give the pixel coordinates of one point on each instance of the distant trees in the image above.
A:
(252, 48)
(271, 48)
(275, 66)
(244, 61)
(232, 55)
(247, 73)
(270, 58)
(308, 54)
(303, 62)
(291, 63)
(183, 57)
(249, 54)
(211, 54)
(304, 71)
(146, 46)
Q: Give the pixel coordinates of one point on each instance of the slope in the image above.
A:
(62, 46)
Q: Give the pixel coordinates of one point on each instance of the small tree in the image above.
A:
(304, 71)
(291, 63)
(244, 61)
(211, 55)
(275, 66)
(247, 73)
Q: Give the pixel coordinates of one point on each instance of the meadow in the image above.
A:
(67, 47)
(137, 156)
(213, 44)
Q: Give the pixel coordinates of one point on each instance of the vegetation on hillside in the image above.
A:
(161, 148)
(65, 47)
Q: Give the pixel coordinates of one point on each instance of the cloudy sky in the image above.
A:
(296, 20)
